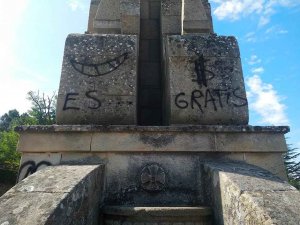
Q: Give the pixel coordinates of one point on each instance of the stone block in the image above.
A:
(130, 7)
(196, 18)
(130, 16)
(197, 26)
(152, 141)
(272, 162)
(209, 45)
(250, 143)
(171, 8)
(108, 10)
(244, 194)
(107, 18)
(194, 10)
(204, 80)
(174, 179)
(107, 27)
(32, 162)
(99, 80)
(171, 25)
(54, 142)
(92, 14)
(55, 195)
(130, 24)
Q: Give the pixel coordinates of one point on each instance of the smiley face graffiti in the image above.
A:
(100, 69)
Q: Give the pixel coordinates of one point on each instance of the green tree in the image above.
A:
(292, 166)
(9, 157)
(7, 119)
(43, 107)
(42, 113)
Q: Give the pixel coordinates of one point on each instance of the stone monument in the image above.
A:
(152, 128)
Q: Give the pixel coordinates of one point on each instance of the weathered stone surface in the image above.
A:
(171, 25)
(130, 16)
(32, 162)
(98, 81)
(271, 161)
(55, 195)
(204, 81)
(107, 18)
(92, 14)
(189, 16)
(114, 17)
(108, 10)
(244, 194)
(250, 142)
(54, 142)
(171, 17)
(153, 179)
(261, 146)
(135, 138)
(177, 128)
(197, 17)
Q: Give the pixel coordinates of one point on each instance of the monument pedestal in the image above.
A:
(127, 149)
(151, 62)
(172, 174)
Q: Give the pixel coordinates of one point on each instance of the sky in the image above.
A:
(33, 33)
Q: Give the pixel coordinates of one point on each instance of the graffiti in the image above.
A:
(207, 96)
(68, 98)
(72, 100)
(32, 167)
(215, 98)
(153, 178)
(101, 69)
(203, 75)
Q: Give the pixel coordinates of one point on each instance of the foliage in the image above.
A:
(9, 157)
(42, 113)
(7, 118)
(292, 166)
(43, 107)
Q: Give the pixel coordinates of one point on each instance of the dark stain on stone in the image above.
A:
(157, 140)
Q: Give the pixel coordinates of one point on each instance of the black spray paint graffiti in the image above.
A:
(71, 98)
(32, 167)
(208, 97)
(203, 75)
(215, 98)
(95, 70)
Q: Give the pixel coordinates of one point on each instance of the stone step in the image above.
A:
(122, 215)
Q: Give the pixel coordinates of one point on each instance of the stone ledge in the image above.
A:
(245, 194)
(157, 211)
(55, 195)
(133, 128)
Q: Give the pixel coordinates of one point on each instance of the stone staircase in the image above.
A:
(123, 215)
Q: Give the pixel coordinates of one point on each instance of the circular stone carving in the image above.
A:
(153, 178)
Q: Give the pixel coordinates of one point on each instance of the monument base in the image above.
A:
(127, 149)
